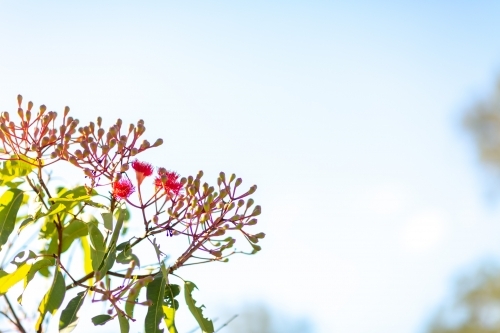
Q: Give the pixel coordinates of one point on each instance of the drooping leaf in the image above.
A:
(155, 293)
(101, 319)
(124, 324)
(52, 299)
(10, 202)
(9, 280)
(205, 324)
(69, 316)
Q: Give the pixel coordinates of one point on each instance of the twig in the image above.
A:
(19, 325)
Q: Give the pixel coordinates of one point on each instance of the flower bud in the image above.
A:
(19, 100)
(66, 110)
(30, 105)
(157, 143)
(43, 108)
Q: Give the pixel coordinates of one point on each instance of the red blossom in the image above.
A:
(122, 188)
(142, 170)
(170, 183)
(143, 167)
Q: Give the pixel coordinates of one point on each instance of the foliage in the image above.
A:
(93, 219)
(475, 305)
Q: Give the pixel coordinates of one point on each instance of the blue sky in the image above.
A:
(347, 116)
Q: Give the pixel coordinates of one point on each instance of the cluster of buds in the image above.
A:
(101, 153)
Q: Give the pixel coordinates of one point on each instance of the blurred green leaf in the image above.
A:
(10, 202)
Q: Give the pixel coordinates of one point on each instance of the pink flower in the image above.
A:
(168, 180)
(142, 170)
(122, 188)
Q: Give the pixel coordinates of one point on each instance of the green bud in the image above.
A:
(233, 177)
(256, 211)
(252, 222)
(260, 235)
(222, 176)
(158, 142)
(238, 182)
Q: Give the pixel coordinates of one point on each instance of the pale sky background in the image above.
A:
(346, 116)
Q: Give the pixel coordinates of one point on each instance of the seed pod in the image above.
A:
(238, 182)
(157, 143)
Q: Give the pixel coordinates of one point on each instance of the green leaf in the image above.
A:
(10, 202)
(170, 305)
(206, 325)
(155, 293)
(108, 220)
(9, 280)
(52, 299)
(124, 324)
(101, 319)
(97, 246)
(69, 318)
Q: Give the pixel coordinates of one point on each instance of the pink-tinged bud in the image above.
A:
(30, 105)
(19, 100)
(20, 113)
(157, 143)
(99, 122)
(43, 108)
(54, 154)
(134, 151)
(66, 110)
(5, 115)
(72, 160)
(124, 168)
(28, 116)
(88, 173)
(155, 219)
(100, 133)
